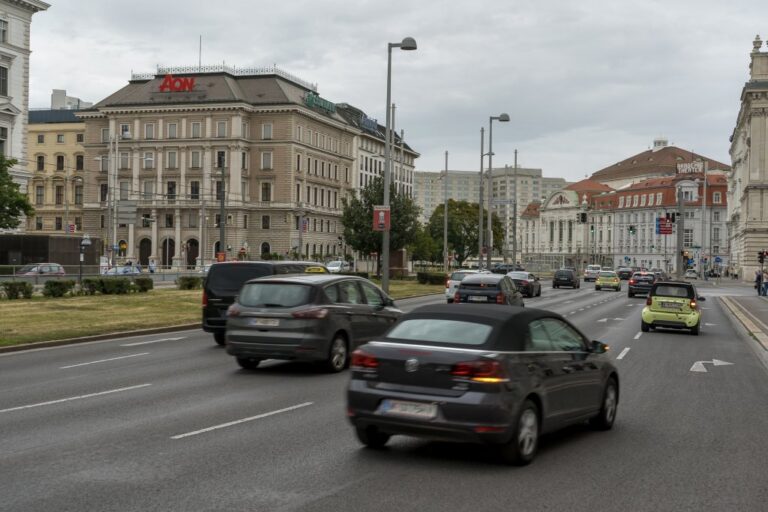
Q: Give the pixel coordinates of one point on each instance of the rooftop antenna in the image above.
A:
(200, 54)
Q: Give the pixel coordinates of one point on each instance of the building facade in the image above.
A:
(56, 167)
(15, 27)
(169, 146)
(748, 183)
(60, 101)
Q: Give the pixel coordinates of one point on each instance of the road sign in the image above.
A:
(663, 226)
(718, 259)
(381, 218)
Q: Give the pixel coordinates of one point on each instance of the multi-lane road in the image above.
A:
(170, 423)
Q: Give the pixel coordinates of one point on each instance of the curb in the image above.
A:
(97, 337)
(757, 331)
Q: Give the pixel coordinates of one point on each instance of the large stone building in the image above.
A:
(56, 167)
(748, 184)
(15, 22)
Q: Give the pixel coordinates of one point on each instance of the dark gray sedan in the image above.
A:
(488, 289)
(311, 317)
(502, 376)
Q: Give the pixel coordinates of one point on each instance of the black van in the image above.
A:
(224, 280)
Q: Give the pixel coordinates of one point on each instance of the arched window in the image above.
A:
(265, 248)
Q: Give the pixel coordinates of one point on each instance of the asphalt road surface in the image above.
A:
(169, 422)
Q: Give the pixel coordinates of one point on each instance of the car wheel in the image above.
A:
(220, 337)
(371, 437)
(521, 449)
(248, 363)
(695, 329)
(337, 355)
(644, 326)
(607, 415)
(630, 294)
(450, 301)
(539, 292)
(555, 286)
(597, 288)
(578, 285)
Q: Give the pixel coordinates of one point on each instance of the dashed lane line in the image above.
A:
(623, 353)
(637, 336)
(103, 360)
(237, 422)
(61, 400)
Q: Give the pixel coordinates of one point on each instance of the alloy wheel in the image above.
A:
(528, 432)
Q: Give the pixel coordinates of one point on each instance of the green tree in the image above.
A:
(462, 228)
(13, 204)
(357, 218)
(424, 248)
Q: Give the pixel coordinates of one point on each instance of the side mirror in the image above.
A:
(598, 347)
(389, 302)
(701, 298)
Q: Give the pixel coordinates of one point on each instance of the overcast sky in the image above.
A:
(586, 83)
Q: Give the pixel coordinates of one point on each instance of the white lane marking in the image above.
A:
(568, 302)
(572, 313)
(637, 336)
(582, 309)
(90, 395)
(237, 422)
(603, 320)
(630, 305)
(152, 341)
(623, 353)
(709, 325)
(103, 360)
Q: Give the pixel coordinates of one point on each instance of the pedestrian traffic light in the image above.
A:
(761, 257)
(672, 217)
(583, 217)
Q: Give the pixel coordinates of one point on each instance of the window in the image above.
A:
(124, 188)
(125, 131)
(59, 224)
(169, 220)
(538, 339)
(3, 81)
(78, 194)
(193, 219)
(650, 199)
(218, 190)
(688, 237)
(172, 134)
(196, 130)
(39, 194)
(149, 160)
(298, 192)
(125, 160)
(171, 160)
(245, 221)
(298, 133)
(105, 135)
(171, 190)
(40, 163)
(103, 192)
(3, 31)
(716, 216)
(101, 222)
(149, 131)
(79, 162)
(244, 130)
(39, 223)
(266, 131)
(634, 200)
(372, 295)
(41, 139)
(59, 194)
(221, 129)
(266, 191)
(244, 190)
(265, 221)
(717, 198)
(221, 159)
(194, 162)
(194, 190)
(621, 202)
(60, 138)
(244, 160)
(149, 189)
(716, 235)
(562, 336)
(266, 160)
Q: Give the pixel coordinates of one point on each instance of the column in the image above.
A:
(155, 250)
(181, 193)
(234, 187)
(131, 253)
(177, 260)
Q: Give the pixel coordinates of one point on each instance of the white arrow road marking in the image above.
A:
(103, 360)
(698, 366)
(603, 320)
(237, 422)
(152, 341)
(637, 336)
(623, 353)
(618, 319)
(710, 325)
(118, 390)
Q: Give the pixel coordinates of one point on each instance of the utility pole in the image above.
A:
(489, 219)
(680, 233)
(446, 259)
(222, 209)
(703, 225)
(506, 213)
(480, 202)
(514, 213)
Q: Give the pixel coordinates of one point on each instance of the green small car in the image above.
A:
(608, 279)
(674, 305)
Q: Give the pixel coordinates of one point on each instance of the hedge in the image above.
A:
(58, 288)
(115, 285)
(14, 289)
(189, 282)
(430, 277)
(143, 284)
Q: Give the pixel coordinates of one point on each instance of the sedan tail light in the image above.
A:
(693, 304)
(524, 282)
(649, 301)
(205, 299)
(632, 281)
(499, 298)
(233, 310)
(311, 314)
(481, 370)
(362, 360)
(456, 298)
(447, 283)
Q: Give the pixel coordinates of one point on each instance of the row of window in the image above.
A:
(58, 195)
(60, 138)
(222, 129)
(641, 200)
(58, 224)
(320, 168)
(316, 225)
(320, 140)
(60, 162)
(171, 191)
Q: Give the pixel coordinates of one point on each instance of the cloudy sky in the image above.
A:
(586, 83)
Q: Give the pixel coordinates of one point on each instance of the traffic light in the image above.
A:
(583, 217)
(591, 228)
(761, 257)
(672, 217)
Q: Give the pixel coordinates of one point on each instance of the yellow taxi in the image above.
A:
(608, 279)
(673, 305)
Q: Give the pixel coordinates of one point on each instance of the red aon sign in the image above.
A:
(171, 84)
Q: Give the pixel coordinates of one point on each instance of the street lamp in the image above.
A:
(406, 44)
(84, 242)
(503, 118)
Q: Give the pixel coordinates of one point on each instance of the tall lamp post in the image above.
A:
(406, 44)
(84, 242)
(503, 118)
(480, 204)
(446, 259)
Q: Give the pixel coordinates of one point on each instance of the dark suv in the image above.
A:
(488, 289)
(640, 282)
(224, 280)
(564, 277)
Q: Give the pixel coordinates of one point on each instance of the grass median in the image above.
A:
(43, 319)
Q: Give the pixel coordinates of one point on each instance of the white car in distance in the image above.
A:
(336, 267)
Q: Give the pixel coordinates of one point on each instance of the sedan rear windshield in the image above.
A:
(275, 295)
(231, 277)
(607, 274)
(438, 330)
(518, 275)
(458, 276)
(671, 290)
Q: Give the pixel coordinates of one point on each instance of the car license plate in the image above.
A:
(671, 305)
(478, 298)
(265, 322)
(412, 409)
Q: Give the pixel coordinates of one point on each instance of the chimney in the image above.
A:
(659, 143)
(759, 65)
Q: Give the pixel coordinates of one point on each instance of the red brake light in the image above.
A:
(481, 370)
(693, 304)
(524, 282)
(447, 282)
(632, 281)
(362, 360)
(205, 299)
(649, 301)
(499, 298)
(456, 298)
(312, 313)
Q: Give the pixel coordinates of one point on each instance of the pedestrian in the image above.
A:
(765, 283)
(152, 266)
(138, 267)
(759, 282)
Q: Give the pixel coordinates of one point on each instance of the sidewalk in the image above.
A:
(752, 312)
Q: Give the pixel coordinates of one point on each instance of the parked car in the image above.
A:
(591, 272)
(691, 274)
(41, 269)
(124, 270)
(310, 317)
(672, 304)
(483, 374)
(527, 283)
(505, 268)
(225, 279)
(453, 280)
(488, 289)
(640, 282)
(608, 279)
(336, 267)
(564, 277)
(624, 273)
